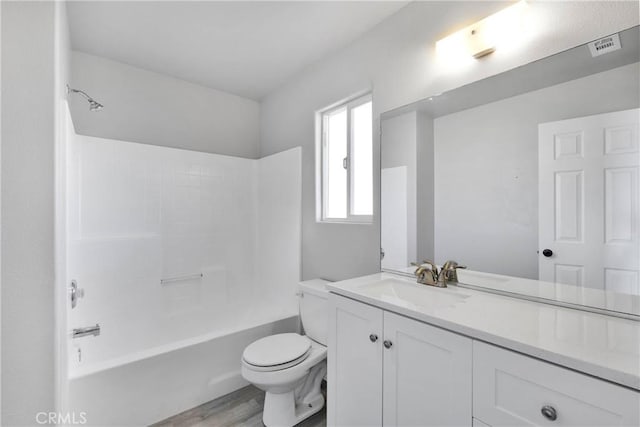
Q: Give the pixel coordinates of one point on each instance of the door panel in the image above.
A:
(569, 206)
(621, 205)
(589, 197)
(569, 274)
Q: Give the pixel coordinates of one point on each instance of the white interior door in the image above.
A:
(588, 201)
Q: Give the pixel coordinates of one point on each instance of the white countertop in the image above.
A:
(599, 345)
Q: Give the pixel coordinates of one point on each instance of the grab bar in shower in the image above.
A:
(180, 278)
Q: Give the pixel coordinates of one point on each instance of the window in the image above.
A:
(347, 162)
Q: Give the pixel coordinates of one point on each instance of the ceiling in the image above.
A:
(245, 48)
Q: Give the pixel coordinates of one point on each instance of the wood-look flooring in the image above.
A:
(242, 408)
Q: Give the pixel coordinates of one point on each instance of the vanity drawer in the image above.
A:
(512, 389)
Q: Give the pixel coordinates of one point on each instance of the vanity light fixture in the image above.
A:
(485, 36)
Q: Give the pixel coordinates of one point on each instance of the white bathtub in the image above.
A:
(228, 229)
(166, 381)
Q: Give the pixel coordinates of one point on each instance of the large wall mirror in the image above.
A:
(530, 175)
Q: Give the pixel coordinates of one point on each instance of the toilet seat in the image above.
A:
(277, 352)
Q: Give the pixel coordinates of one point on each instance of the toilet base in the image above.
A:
(289, 408)
(280, 410)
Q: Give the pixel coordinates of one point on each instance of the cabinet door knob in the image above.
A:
(373, 337)
(387, 344)
(547, 252)
(549, 412)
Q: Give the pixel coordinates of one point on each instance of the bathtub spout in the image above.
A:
(83, 332)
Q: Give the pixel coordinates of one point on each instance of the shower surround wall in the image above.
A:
(139, 213)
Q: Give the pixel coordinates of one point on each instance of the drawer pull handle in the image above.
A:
(373, 337)
(387, 344)
(549, 412)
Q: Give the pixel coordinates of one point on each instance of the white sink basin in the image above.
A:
(410, 295)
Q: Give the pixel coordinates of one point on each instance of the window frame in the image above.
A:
(321, 122)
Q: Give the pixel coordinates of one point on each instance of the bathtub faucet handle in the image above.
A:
(75, 293)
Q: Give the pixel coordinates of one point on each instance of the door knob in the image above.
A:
(387, 344)
(373, 337)
(547, 252)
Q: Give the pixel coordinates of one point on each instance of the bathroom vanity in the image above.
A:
(402, 353)
(498, 175)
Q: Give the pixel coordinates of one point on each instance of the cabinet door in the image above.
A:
(354, 364)
(427, 375)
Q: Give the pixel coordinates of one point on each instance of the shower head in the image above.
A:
(93, 104)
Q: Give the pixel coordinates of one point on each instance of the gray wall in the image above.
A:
(28, 138)
(151, 108)
(425, 189)
(397, 61)
(486, 171)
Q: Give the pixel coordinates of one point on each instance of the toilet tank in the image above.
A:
(314, 312)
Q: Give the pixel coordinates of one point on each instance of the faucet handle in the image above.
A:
(427, 272)
(448, 272)
(425, 263)
(451, 265)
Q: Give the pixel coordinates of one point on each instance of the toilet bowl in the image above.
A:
(290, 367)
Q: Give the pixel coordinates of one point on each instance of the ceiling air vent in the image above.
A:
(605, 45)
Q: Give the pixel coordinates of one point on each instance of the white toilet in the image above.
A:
(290, 367)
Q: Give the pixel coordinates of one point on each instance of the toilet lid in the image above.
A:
(277, 349)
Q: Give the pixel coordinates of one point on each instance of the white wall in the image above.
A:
(397, 61)
(151, 108)
(30, 90)
(486, 171)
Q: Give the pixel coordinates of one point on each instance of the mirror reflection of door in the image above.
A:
(588, 201)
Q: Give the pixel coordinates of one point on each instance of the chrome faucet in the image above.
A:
(83, 332)
(427, 273)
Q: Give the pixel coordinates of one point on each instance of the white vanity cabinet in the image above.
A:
(386, 369)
